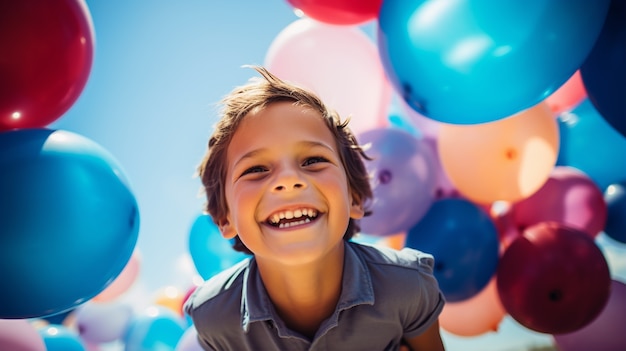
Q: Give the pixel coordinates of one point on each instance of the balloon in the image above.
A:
(606, 332)
(338, 63)
(463, 240)
(402, 178)
(568, 197)
(60, 338)
(68, 221)
(189, 341)
(19, 335)
(209, 251)
(469, 61)
(567, 96)
(505, 160)
(604, 71)
(553, 279)
(615, 199)
(444, 187)
(170, 297)
(427, 126)
(103, 322)
(477, 315)
(341, 12)
(124, 280)
(591, 145)
(47, 52)
(156, 327)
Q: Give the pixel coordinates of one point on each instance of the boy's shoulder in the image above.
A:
(225, 284)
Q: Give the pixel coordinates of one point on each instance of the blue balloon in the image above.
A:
(209, 251)
(604, 71)
(60, 338)
(590, 144)
(464, 241)
(68, 221)
(615, 198)
(156, 328)
(477, 61)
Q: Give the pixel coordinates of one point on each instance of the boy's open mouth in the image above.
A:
(286, 219)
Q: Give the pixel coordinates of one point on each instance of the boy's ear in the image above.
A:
(356, 209)
(226, 228)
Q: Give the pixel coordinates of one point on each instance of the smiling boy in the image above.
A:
(285, 178)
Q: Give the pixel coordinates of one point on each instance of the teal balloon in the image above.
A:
(60, 338)
(590, 144)
(209, 251)
(68, 221)
(156, 328)
(464, 242)
(477, 61)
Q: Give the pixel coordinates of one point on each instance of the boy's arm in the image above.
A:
(429, 340)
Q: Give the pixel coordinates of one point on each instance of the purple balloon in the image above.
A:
(103, 322)
(189, 341)
(403, 180)
(19, 335)
(606, 332)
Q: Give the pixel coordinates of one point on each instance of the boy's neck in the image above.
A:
(304, 296)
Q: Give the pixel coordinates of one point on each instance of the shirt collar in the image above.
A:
(357, 289)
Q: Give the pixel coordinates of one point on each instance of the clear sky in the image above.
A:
(160, 66)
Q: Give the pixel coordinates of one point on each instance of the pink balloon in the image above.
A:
(403, 180)
(569, 197)
(341, 64)
(477, 315)
(123, 281)
(606, 332)
(568, 96)
(19, 335)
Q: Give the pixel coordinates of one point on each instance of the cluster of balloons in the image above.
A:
(500, 150)
(68, 218)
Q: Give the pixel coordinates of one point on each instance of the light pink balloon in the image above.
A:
(480, 314)
(340, 64)
(19, 335)
(123, 281)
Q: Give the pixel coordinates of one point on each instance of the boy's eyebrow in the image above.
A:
(303, 144)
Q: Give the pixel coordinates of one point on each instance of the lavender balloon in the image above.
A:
(403, 180)
(103, 322)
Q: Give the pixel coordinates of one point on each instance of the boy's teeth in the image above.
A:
(277, 217)
(291, 224)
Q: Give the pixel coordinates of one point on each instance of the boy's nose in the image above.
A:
(288, 179)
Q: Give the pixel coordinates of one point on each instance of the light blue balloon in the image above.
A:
(68, 221)
(476, 61)
(60, 338)
(590, 144)
(209, 251)
(464, 241)
(155, 329)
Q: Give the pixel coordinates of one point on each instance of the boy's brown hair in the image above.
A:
(256, 95)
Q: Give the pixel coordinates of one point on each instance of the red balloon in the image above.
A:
(342, 12)
(553, 279)
(47, 52)
(569, 197)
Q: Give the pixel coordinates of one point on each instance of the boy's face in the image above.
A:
(286, 188)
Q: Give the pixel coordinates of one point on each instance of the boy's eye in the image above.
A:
(255, 169)
(312, 160)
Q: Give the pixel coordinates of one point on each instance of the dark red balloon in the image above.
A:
(341, 12)
(553, 279)
(46, 56)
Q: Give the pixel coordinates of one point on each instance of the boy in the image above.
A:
(284, 178)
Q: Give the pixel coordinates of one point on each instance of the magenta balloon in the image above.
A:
(103, 322)
(569, 197)
(403, 180)
(19, 335)
(553, 279)
(606, 332)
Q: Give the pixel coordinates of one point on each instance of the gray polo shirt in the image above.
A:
(386, 295)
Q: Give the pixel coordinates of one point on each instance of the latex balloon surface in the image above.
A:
(61, 338)
(615, 198)
(20, 335)
(69, 221)
(539, 279)
(341, 12)
(469, 61)
(47, 52)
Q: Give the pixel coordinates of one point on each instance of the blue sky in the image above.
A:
(160, 66)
